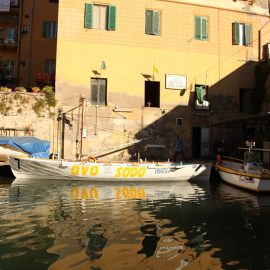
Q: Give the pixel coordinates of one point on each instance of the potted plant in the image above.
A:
(20, 89)
(35, 89)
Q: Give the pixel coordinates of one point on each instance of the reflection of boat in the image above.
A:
(247, 199)
(85, 170)
(98, 191)
(23, 147)
(248, 174)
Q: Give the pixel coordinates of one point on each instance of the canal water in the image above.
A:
(99, 226)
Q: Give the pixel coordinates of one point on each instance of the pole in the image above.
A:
(82, 104)
(63, 135)
(53, 142)
(259, 45)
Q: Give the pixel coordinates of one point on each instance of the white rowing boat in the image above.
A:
(247, 173)
(35, 168)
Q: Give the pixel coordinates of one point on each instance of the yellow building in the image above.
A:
(156, 69)
(28, 34)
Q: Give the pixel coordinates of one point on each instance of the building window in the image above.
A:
(201, 28)
(8, 66)
(152, 22)
(50, 29)
(245, 100)
(241, 34)
(13, 3)
(50, 66)
(201, 97)
(99, 91)
(100, 17)
(10, 36)
(179, 121)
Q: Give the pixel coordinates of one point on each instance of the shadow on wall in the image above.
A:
(225, 103)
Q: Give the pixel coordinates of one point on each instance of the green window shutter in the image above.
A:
(235, 33)
(204, 24)
(88, 15)
(149, 22)
(197, 27)
(111, 17)
(156, 23)
(248, 37)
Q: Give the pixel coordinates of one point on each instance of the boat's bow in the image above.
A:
(198, 170)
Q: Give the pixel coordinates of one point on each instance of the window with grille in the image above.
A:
(179, 121)
(98, 91)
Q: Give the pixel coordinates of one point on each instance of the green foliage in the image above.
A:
(20, 89)
(4, 108)
(39, 106)
(50, 96)
(5, 89)
(17, 96)
(258, 94)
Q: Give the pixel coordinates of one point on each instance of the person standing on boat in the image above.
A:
(179, 149)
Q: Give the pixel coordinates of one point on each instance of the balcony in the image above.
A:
(5, 45)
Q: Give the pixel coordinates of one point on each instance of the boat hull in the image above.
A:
(258, 183)
(32, 168)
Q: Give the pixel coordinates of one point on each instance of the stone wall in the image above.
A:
(27, 114)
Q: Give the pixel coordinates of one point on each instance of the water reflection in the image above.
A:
(67, 225)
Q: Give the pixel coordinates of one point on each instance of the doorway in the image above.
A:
(200, 142)
(152, 94)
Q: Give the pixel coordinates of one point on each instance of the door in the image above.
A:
(200, 142)
(152, 94)
(196, 142)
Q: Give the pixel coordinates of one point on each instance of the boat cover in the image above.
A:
(31, 145)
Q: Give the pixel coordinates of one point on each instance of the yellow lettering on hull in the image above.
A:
(130, 172)
(84, 170)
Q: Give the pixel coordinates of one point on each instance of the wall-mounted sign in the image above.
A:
(174, 81)
(4, 5)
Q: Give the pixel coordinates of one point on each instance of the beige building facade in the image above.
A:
(156, 69)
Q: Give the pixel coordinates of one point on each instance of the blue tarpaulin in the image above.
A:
(31, 145)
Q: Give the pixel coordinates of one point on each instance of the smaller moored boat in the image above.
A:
(35, 168)
(247, 173)
(23, 146)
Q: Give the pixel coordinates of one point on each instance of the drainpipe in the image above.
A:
(30, 44)
(19, 41)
